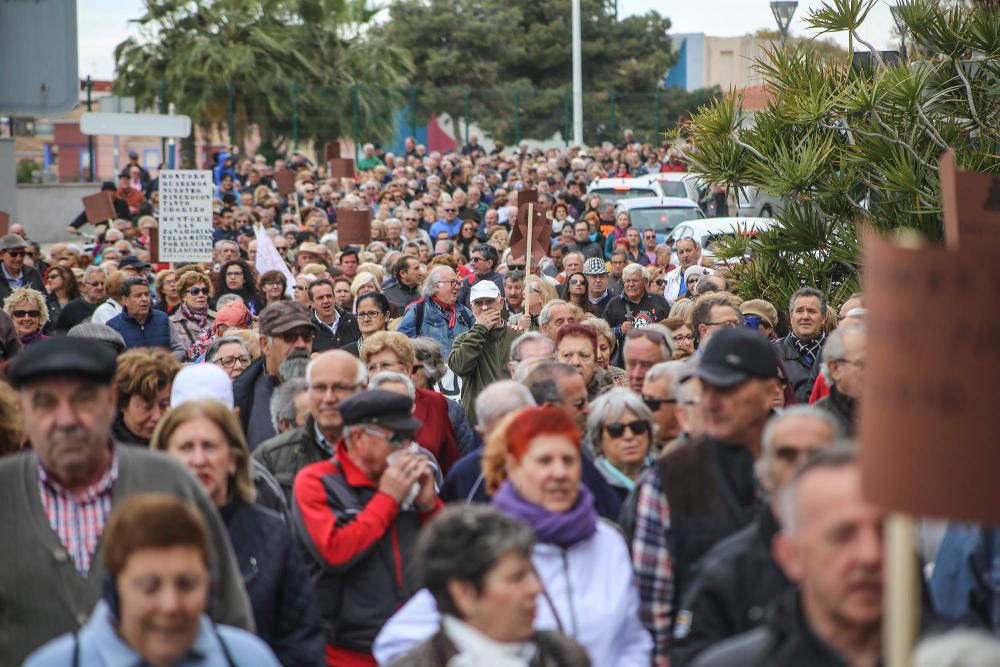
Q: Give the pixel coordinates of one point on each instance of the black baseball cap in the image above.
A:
(737, 354)
(64, 355)
(382, 408)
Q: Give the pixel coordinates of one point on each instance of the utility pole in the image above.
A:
(577, 77)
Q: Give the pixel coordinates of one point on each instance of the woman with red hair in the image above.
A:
(583, 564)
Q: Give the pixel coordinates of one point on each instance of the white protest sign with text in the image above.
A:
(186, 215)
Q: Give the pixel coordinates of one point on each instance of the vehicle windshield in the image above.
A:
(673, 189)
(615, 195)
(663, 220)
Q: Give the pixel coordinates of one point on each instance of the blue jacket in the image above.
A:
(443, 226)
(965, 585)
(434, 323)
(155, 332)
(99, 645)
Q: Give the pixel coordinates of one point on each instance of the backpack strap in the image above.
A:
(418, 316)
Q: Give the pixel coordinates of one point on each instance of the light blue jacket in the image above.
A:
(99, 645)
(435, 323)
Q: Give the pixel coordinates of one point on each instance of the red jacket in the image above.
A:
(436, 435)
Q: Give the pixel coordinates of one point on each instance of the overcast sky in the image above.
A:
(104, 23)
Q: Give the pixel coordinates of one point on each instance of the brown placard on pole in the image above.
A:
(526, 196)
(342, 168)
(519, 231)
(927, 417)
(153, 234)
(4, 223)
(99, 207)
(354, 226)
(331, 150)
(285, 178)
(971, 203)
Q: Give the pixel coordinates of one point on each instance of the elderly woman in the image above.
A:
(193, 317)
(301, 288)
(374, 312)
(364, 283)
(606, 342)
(393, 352)
(582, 563)
(231, 353)
(682, 335)
(476, 562)
(273, 286)
(342, 295)
(157, 557)
(537, 293)
(206, 436)
(61, 288)
(143, 379)
(166, 290)
(576, 345)
(620, 434)
(28, 311)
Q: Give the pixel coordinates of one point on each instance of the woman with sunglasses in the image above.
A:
(468, 238)
(193, 317)
(61, 288)
(374, 312)
(576, 291)
(620, 434)
(29, 313)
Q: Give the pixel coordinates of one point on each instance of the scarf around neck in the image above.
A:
(475, 649)
(563, 529)
(808, 349)
(199, 319)
(449, 309)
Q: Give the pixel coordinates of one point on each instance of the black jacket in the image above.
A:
(30, 278)
(274, 573)
(347, 331)
(287, 453)
(651, 308)
(401, 296)
(801, 375)
(73, 313)
(785, 640)
(842, 409)
(243, 391)
(730, 589)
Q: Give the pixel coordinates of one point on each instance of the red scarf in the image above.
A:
(449, 310)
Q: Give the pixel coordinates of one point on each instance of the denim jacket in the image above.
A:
(965, 584)
(435, 323)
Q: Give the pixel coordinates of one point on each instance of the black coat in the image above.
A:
(731, 587)
(281, 592)
(842, 409)
(31, 278)
(801, 375)
(401, 296)
(347, 331)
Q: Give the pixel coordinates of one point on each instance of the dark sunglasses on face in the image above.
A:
(617, 429)
(661, 282)
(196, 291)
(16, 253)
(291, 336)
(655, 404)
(27, 313)
(577, 282)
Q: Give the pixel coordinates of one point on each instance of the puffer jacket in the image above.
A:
(593, 597)
(800, 376)
(287, 453)
(435, 323)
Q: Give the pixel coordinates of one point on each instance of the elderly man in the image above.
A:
(643, 349)
(286, 331)
(331, 378)
(714, 312)
(831, 547)
(82, 308)
(677, 522)
(480, 355)
(688, 255)
(739, 577)
(553, 316)
(529, 345)
(659, 394)
(58, 496)
(582, 242)
(14, 273)
(598, 297)
(335, 327)
(438, 314)
(844, 356)
(800, 350)
(450, 224)
(635, 307)
(358, 514)
(142, 326)
(226, 251)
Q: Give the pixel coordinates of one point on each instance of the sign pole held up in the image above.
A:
(527, 259)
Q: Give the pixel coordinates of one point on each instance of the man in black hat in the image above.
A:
(14, 273)
(56, 498)
(358, 514)
(133, 162)
(705, 491)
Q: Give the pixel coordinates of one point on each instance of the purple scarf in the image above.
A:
(563, 529)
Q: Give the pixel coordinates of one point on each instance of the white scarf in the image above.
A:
(476, 649)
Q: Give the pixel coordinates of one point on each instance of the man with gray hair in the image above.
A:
(290, 405)
(529, 345)
(844, 362)
(226, 251)
(636, 306)
(91, 296)
(800, 350)
(739, 577)
(658, 393)
(438, 314)
(553, 315)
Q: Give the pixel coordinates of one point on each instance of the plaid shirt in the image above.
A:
(78, 520)
(653, 564)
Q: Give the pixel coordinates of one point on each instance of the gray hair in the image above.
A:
(282, 404)
(428, 354)
(527, 337)
(543, 381)
(501, 398)
(840, 454)
(91, 270)
(224, 242)
(360, 378)
(791, 412)
(227, 298)
(546, 314)
(433, 278)
(666, 369)
(833, 348)
(634, 268)
(390, 377)
(464, 543)
(666, 345)
(808, 292)
(611, 405)
(213, 349)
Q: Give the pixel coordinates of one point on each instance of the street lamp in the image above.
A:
(783, 11)
(897, 17)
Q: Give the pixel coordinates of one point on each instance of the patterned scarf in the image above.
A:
(809, 349)
(198, 319)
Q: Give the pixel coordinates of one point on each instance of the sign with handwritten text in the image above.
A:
(185, 215)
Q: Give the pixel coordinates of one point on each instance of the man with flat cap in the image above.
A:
(358, 514)
(699, 494)
(14, 273)
(56, 498)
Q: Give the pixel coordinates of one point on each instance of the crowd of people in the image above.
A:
(422, 451)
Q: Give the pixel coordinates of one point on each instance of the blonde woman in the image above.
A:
(29, 313)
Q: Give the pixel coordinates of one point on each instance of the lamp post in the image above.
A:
(783, 11)
(577, 76)
(897, 17)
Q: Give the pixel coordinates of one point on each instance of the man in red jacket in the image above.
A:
(358, 514)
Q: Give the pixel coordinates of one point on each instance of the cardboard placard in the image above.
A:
(99, 207)
(285, 178)
(185, 216)
(928, 414)
(354, 227)
(971, 203)
(519, 232)
(331, 150)
(4, 223)
(154, 245)
(526, 196)
(342, 168)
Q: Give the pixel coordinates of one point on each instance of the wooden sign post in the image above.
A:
(527, 261)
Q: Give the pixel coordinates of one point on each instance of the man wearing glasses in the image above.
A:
(635, 307)
(411, 219)
(14, 273)
(450, 224)
(438, 314)
(358, 514)
(91, 296)
(844, 355)
(484, 262)
(286, 329)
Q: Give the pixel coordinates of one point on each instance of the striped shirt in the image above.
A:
(78, 520)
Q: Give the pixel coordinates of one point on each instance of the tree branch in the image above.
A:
(876, 135)
(968, 97)
(875, 53)
(931, 131)
(747, 147)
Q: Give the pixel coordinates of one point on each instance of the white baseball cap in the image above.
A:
(197, 381)
(484, 289)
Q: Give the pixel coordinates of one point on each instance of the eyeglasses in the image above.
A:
(655, 404)
(338, 388)
(232, 360)
(515, 267)
(577, 282)
(97, 283)
(651, 334)
(617, 429)
(450, 210)
(396, 440)
(680, 338)
(16, 253)
(368, 314)
(299, 288)
(291, 336)
(272, 283)
(453, 283)
(197, 291)
(724, 323)
(27, 313)
(238, 274)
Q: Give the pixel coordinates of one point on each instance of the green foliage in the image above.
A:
(518, 55)
(275, 56)
(26, 171)
(846, 150)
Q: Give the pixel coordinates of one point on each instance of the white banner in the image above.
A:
(269, 259)
(186, 215)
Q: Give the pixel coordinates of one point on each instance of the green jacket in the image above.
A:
(479, 356)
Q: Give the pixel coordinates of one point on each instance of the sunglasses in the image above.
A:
(27, 313)
(661, 282)
(96, 284)
(577, 283)
(196, 291)
(655, 404)
(291, 336)
(16, 253)
(617, 429)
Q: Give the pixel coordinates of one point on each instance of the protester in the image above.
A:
(659, 393)
(273, 287)
(61, 288)
(192, 318)
(437, 314)
(112, 306)
(165, 288)
(406, 273)
(335, 327)
(800, 350)
(236, 277)
(643, 349)
(140, 325)
(576, 345)
(82, 308)
(636, 307)
(844, 358)
(14, 273)
(29, 313)
(620, 434)
(143, 380)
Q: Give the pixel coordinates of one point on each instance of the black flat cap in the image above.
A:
(734, 355)
(133, 261)
(382, 408)
(63, 355)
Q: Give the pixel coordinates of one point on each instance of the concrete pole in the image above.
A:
(577, 77)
